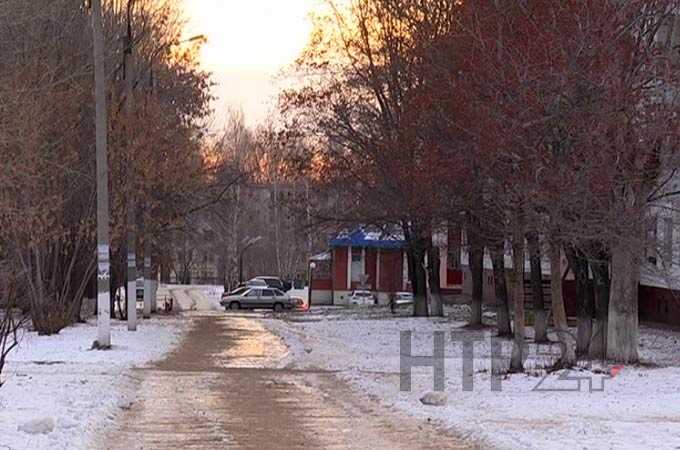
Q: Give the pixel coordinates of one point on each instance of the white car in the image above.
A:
(258, 298)
(362, 298)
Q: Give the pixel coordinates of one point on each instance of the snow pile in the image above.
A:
(599, 407)
(212, 294)
(59, 394)
(193, 298)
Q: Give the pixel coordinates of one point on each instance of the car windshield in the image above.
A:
(238, 291)
(279, 293)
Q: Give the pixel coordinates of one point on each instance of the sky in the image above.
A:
(249, 42)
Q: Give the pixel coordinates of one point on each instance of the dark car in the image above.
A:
(401, 299)
(273, 282)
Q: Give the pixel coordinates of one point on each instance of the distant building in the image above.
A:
(375, 261)
(371, 260)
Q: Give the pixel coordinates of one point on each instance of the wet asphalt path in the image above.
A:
(219, 389)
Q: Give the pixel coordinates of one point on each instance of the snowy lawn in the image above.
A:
(619, 407)
(58, 378)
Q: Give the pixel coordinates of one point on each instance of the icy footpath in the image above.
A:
(59, 394)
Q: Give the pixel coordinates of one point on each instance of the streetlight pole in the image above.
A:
(249, 242)
(312, 266)
(103, 251)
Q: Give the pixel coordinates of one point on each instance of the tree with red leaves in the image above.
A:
(571, 102)
(543, 119)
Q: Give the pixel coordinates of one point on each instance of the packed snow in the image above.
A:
(59, 394)
(194, 297)
(609, 407)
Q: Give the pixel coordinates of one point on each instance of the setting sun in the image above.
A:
(248, 43)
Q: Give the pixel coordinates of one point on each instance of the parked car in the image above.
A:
(362, 298)
(250, 283)
(401, 299)
(255, 282)
(258, 297)
(239, 290)
(300, 304)
(272, 282)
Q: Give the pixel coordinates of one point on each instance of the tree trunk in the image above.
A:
(600, 268)
(416, 251)
(476, 256)
(277, 230)
(433, 265)
(77, 310)
(622, 329)
(584, 300)
(540, 317)
(116, 271)
(166, 265)
(418, 283)
(559, 313)
(502, 308)
(517, 358)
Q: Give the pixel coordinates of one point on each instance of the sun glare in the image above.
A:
(248, 43)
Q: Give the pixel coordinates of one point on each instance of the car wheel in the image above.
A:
(234, 306)
(278, 307)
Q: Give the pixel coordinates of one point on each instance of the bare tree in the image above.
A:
(12, 317)
(47, 195)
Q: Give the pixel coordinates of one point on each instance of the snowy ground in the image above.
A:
(629, 407)
(58, 378)
(194, 297)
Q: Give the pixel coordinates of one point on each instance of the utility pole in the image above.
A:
(103, 251)
(146, 270)
(147, 276)
(131, 219)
